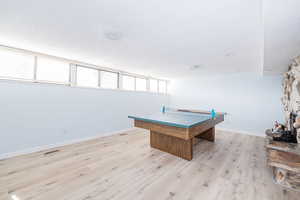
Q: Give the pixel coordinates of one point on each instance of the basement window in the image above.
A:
(16, 65)
(141, 84)
(128, 82)
(162, 87)
(24, 65)
(87, 77)
(153, 85)
(52, 70)
(109, 80)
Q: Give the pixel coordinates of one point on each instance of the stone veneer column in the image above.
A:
(291, 97)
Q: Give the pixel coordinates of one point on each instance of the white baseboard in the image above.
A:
(241, 132)
(45, 147)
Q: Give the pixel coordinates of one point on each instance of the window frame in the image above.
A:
(134, 82)
(36, 65)
(100, 79)
(14, 78)
(157, 85)
(146, 86)
(166, 86)
(73, 64)
(86, 67)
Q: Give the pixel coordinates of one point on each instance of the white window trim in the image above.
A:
(73, 72)
(15, 79)
(35, 80)
(118, 79)
(76, 85)
(134, 81)
(35, 67)
(99, 78)
(146, 84)
(73, 75)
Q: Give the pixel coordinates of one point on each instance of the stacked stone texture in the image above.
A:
(291, 97)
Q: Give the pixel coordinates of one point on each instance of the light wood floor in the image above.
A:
(125, 167)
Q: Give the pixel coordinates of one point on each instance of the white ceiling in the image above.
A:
(158, 38)
(282, 34)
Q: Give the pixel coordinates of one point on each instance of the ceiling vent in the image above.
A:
(113, 35)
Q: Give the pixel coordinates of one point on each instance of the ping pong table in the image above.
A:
(176, 132)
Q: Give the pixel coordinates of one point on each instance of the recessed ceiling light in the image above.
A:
(229, 54)
(195, 67)
(113, 35)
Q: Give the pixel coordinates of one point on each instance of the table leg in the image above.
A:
(196, 140)
(176, 146)
(208, 135)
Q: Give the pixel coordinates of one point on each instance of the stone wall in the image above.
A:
(291, 98)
